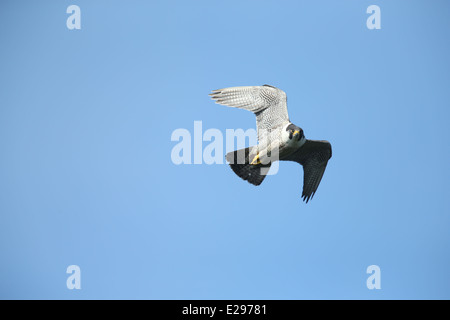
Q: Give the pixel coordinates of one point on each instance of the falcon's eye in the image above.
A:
(291, 134)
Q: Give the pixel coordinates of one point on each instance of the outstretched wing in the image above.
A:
(313, 156)
(266, 102)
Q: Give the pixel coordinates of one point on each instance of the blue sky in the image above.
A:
(86, 176)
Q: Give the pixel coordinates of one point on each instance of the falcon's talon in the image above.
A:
(256, 160)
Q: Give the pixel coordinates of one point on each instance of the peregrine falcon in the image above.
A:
(277, 135)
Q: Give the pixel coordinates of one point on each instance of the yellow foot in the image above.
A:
(256, 160)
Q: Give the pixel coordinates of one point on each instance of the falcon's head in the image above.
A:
(295, 132)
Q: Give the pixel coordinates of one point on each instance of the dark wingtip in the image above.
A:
(306, 198)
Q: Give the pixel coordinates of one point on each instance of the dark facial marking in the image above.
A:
(292, 127)
(301, 135)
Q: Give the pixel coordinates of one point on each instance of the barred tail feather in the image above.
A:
(239, 162)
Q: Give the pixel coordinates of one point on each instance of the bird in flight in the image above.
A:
(278, 138)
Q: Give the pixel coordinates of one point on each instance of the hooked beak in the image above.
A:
(297, 134)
